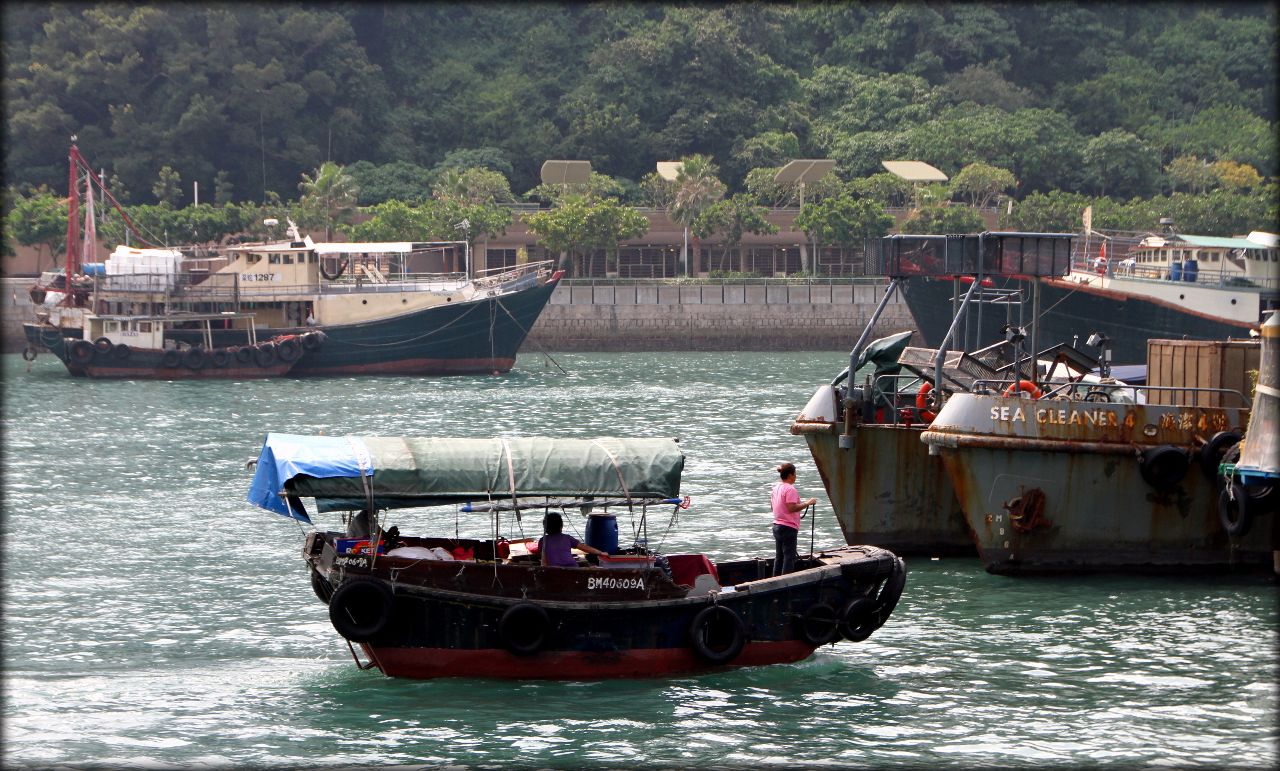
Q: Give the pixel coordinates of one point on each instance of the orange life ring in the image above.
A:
(922, 402)
(1023, 385)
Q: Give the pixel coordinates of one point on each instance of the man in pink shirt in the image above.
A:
(786, 519)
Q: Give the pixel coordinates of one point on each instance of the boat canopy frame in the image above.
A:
(350, 473)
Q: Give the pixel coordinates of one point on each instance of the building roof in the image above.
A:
(914, 171)
(1222, 243)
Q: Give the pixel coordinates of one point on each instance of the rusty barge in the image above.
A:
(1130, 482)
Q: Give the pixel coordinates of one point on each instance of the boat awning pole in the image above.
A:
(866, 331)
(946, 340)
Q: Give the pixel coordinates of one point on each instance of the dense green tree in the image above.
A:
(581, 223)
(328, 198)
(1120, 163)
(476, 185)
(697, 187)
(980, 184)
(168, 187)
(1190, 173)
(38, 219)
(732, 218)
(398, 180)
(943, 220)
(844, 221)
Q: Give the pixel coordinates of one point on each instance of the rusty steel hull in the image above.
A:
(888, 491)
(1059, 490)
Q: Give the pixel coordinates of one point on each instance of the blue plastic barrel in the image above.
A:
(602, 532)
(1190, 269)
(1175, 271)
(94, 268)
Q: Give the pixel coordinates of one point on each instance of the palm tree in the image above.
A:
(330, 195)
(697, 187)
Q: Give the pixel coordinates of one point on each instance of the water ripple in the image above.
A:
(154, 619)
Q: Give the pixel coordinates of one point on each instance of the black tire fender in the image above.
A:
(29, 354)
(103, 345)
(717, 634)
(289, 349)
(195, 359)
(243, 355)
(121, 351)
(219, 358)
(360, 609)
(81, 351)
(859, 619)
(1235, 510)
(819, 624)
(1163, 467)
(313, 340)
(523, 628)
(1214, 450)
(321, 586)
(170, 359)
(265, 355)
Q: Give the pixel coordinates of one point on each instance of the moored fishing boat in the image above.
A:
(405, 308)
(1168, 286)
(864, 430)
(440, 605)
(145, 347)
(1051, 484)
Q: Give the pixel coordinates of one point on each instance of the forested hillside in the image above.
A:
(1093, 99)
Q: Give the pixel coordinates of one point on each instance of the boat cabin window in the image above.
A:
(144, 326)
(286, 259)
(313, 258)
(251, 259)
(273, 259)
(111, 326)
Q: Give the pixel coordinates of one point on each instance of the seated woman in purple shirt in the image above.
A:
(555, 545)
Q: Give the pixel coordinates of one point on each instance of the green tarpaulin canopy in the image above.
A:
(411, 472)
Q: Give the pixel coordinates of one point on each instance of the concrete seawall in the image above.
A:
(650, 316)
(818, 315)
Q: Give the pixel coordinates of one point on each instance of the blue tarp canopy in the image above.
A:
(286, 456)
(400, 472)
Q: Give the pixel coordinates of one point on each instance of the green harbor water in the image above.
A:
(154, 619)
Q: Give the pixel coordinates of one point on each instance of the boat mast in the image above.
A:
(71, 259)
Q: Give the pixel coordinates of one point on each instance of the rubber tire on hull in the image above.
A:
(289, 350)
(321, 586)
(81, 352)
(1164, 467)
(859, 619)
(171, 360)
(717, 634)
(220, 358)
(819, 624)
(265, 355)
(121, 351)
(1234, 509)
(360, 609)
(1214, 450)
(243, 355)
(195, 359)
(523, 628)
(313, 340)
(102, 345)
(29, 354)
